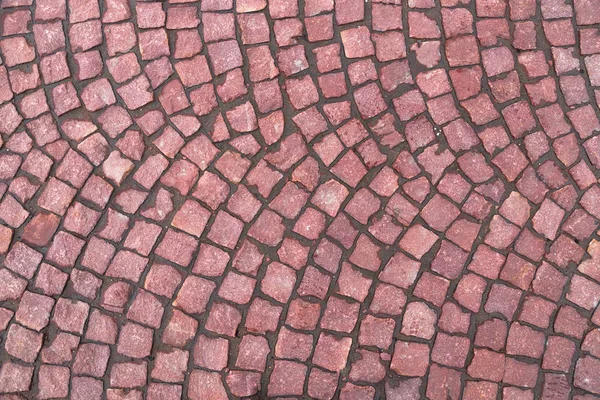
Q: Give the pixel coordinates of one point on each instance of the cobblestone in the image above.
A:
(318, 199)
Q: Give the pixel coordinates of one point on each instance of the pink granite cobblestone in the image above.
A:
(315, 199)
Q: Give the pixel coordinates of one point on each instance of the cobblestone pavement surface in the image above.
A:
(303, 199)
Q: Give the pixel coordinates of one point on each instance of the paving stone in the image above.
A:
(376, 193)
(410, 359)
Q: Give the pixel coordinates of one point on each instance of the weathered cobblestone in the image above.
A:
(311, 199)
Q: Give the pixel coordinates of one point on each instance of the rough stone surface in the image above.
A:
(300, 199)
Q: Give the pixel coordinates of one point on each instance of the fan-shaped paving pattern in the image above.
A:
(309, 199)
